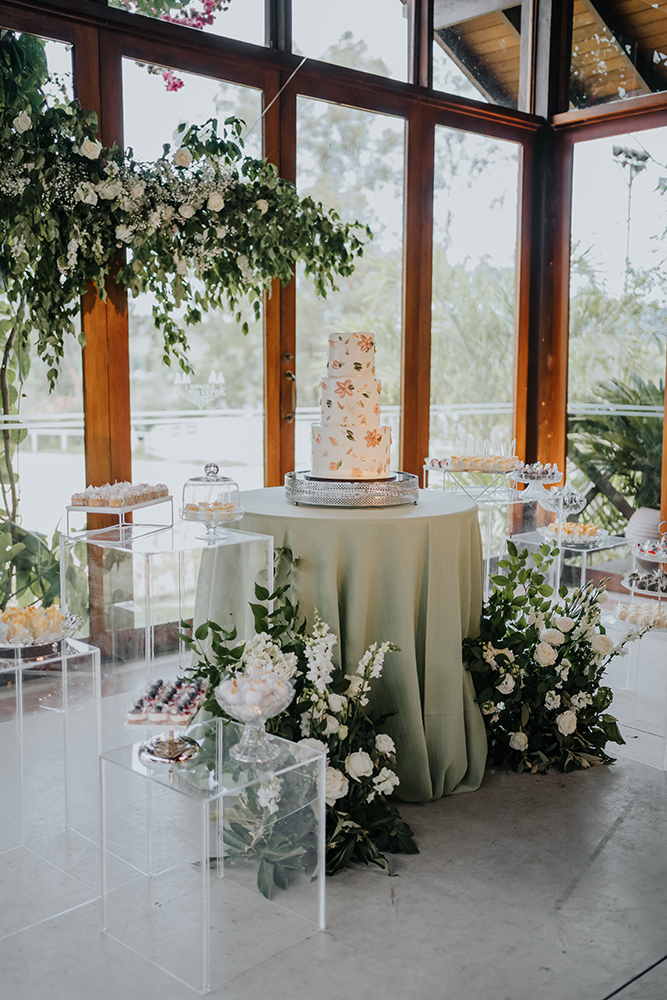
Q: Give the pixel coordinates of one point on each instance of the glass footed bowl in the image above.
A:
(573, 541)
(252, 699)
(211, 500)
(573, 502)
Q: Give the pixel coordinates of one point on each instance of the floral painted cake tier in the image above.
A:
(350, 443)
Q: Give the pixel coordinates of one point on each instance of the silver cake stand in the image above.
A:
(402, 488)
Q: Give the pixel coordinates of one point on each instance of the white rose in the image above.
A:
(124, 234)
(109, 189)
(337, 702)
(335, 785)
(518, 741)
(215, 202)
(567, 722)
(90, 148)
(553, 636)
(22, 122)
(262, 205)
(565, 624)
(342, 733)
(384, 743)
(187, 211)
(545, 654)
(332, 725)
(183, 157)
(602, 644)
(385, 781)
(358, 765)
(314, 744)
(354, 684)
(506, 685)
(86, 193)
(551, 700)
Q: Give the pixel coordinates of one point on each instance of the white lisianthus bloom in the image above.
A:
(186, 211)
(183, 157)
(215, 202)
(580, 700)
(563, 669)
(124, 233)
(384, 743)
(332, 725)
(545, 654)
(262, 205)
(336, 785)
(552, 700)
(567, 722)
(385, 781)
(314, 744)
(22, 122)
(506, 685)
(90, 148)
(342, 733)
(518, 741)
(337, 702)
(553, 636)
(109, 189)
(602, 644)
(564, 623)
(358, 765)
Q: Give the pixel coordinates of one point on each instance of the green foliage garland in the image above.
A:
(537, 668)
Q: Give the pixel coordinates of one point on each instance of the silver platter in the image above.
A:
(402, 488)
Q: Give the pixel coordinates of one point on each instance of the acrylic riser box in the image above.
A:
(49, 836)
(187, 849)
(134, 584)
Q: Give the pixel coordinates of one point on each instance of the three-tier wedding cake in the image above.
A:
(350, 443)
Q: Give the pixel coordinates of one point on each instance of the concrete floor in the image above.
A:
(541, 887)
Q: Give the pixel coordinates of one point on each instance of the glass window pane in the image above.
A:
(477, 49)
(618, 329)
(619, 50)
(181, 422)
(474, 248)
(352, 161)
(369, 35)
(240, 19)
(51, 451)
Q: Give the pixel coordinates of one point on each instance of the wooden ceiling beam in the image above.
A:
(449, 12)
(634, 61)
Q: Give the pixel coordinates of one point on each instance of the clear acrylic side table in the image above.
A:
(191, 853)
(49, 858)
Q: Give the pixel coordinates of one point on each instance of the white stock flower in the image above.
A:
(354, 684)
(545, 654)
(564, 623)
(319, 648)
(262, 205)
(384, 743)
(215, 202)
(385, 781)
(186, 211)
(332, 725)
(22, 122)
(567, 722)
(335, 785)
(337, 702)
(183, 157)
(518, 741)
(602, 644)
(90, 148)
(314, 744)
(553, 636)
(506, 685)
(551, 700)
(124, 233)
(358, 765)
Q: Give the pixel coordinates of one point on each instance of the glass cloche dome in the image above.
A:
(211, 499)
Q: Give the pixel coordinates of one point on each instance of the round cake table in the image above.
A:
(411, 575)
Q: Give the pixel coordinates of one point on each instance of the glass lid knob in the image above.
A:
(211, 469)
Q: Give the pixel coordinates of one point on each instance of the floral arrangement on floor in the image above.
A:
(537, 668)
(328, 713)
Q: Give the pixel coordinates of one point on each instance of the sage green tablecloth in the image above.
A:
(412, 575)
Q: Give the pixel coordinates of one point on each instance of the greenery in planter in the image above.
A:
(328, 712)
(537, 669)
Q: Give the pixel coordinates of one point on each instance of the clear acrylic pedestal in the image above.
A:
(49, 817)
(134, 584)
(191, 852)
